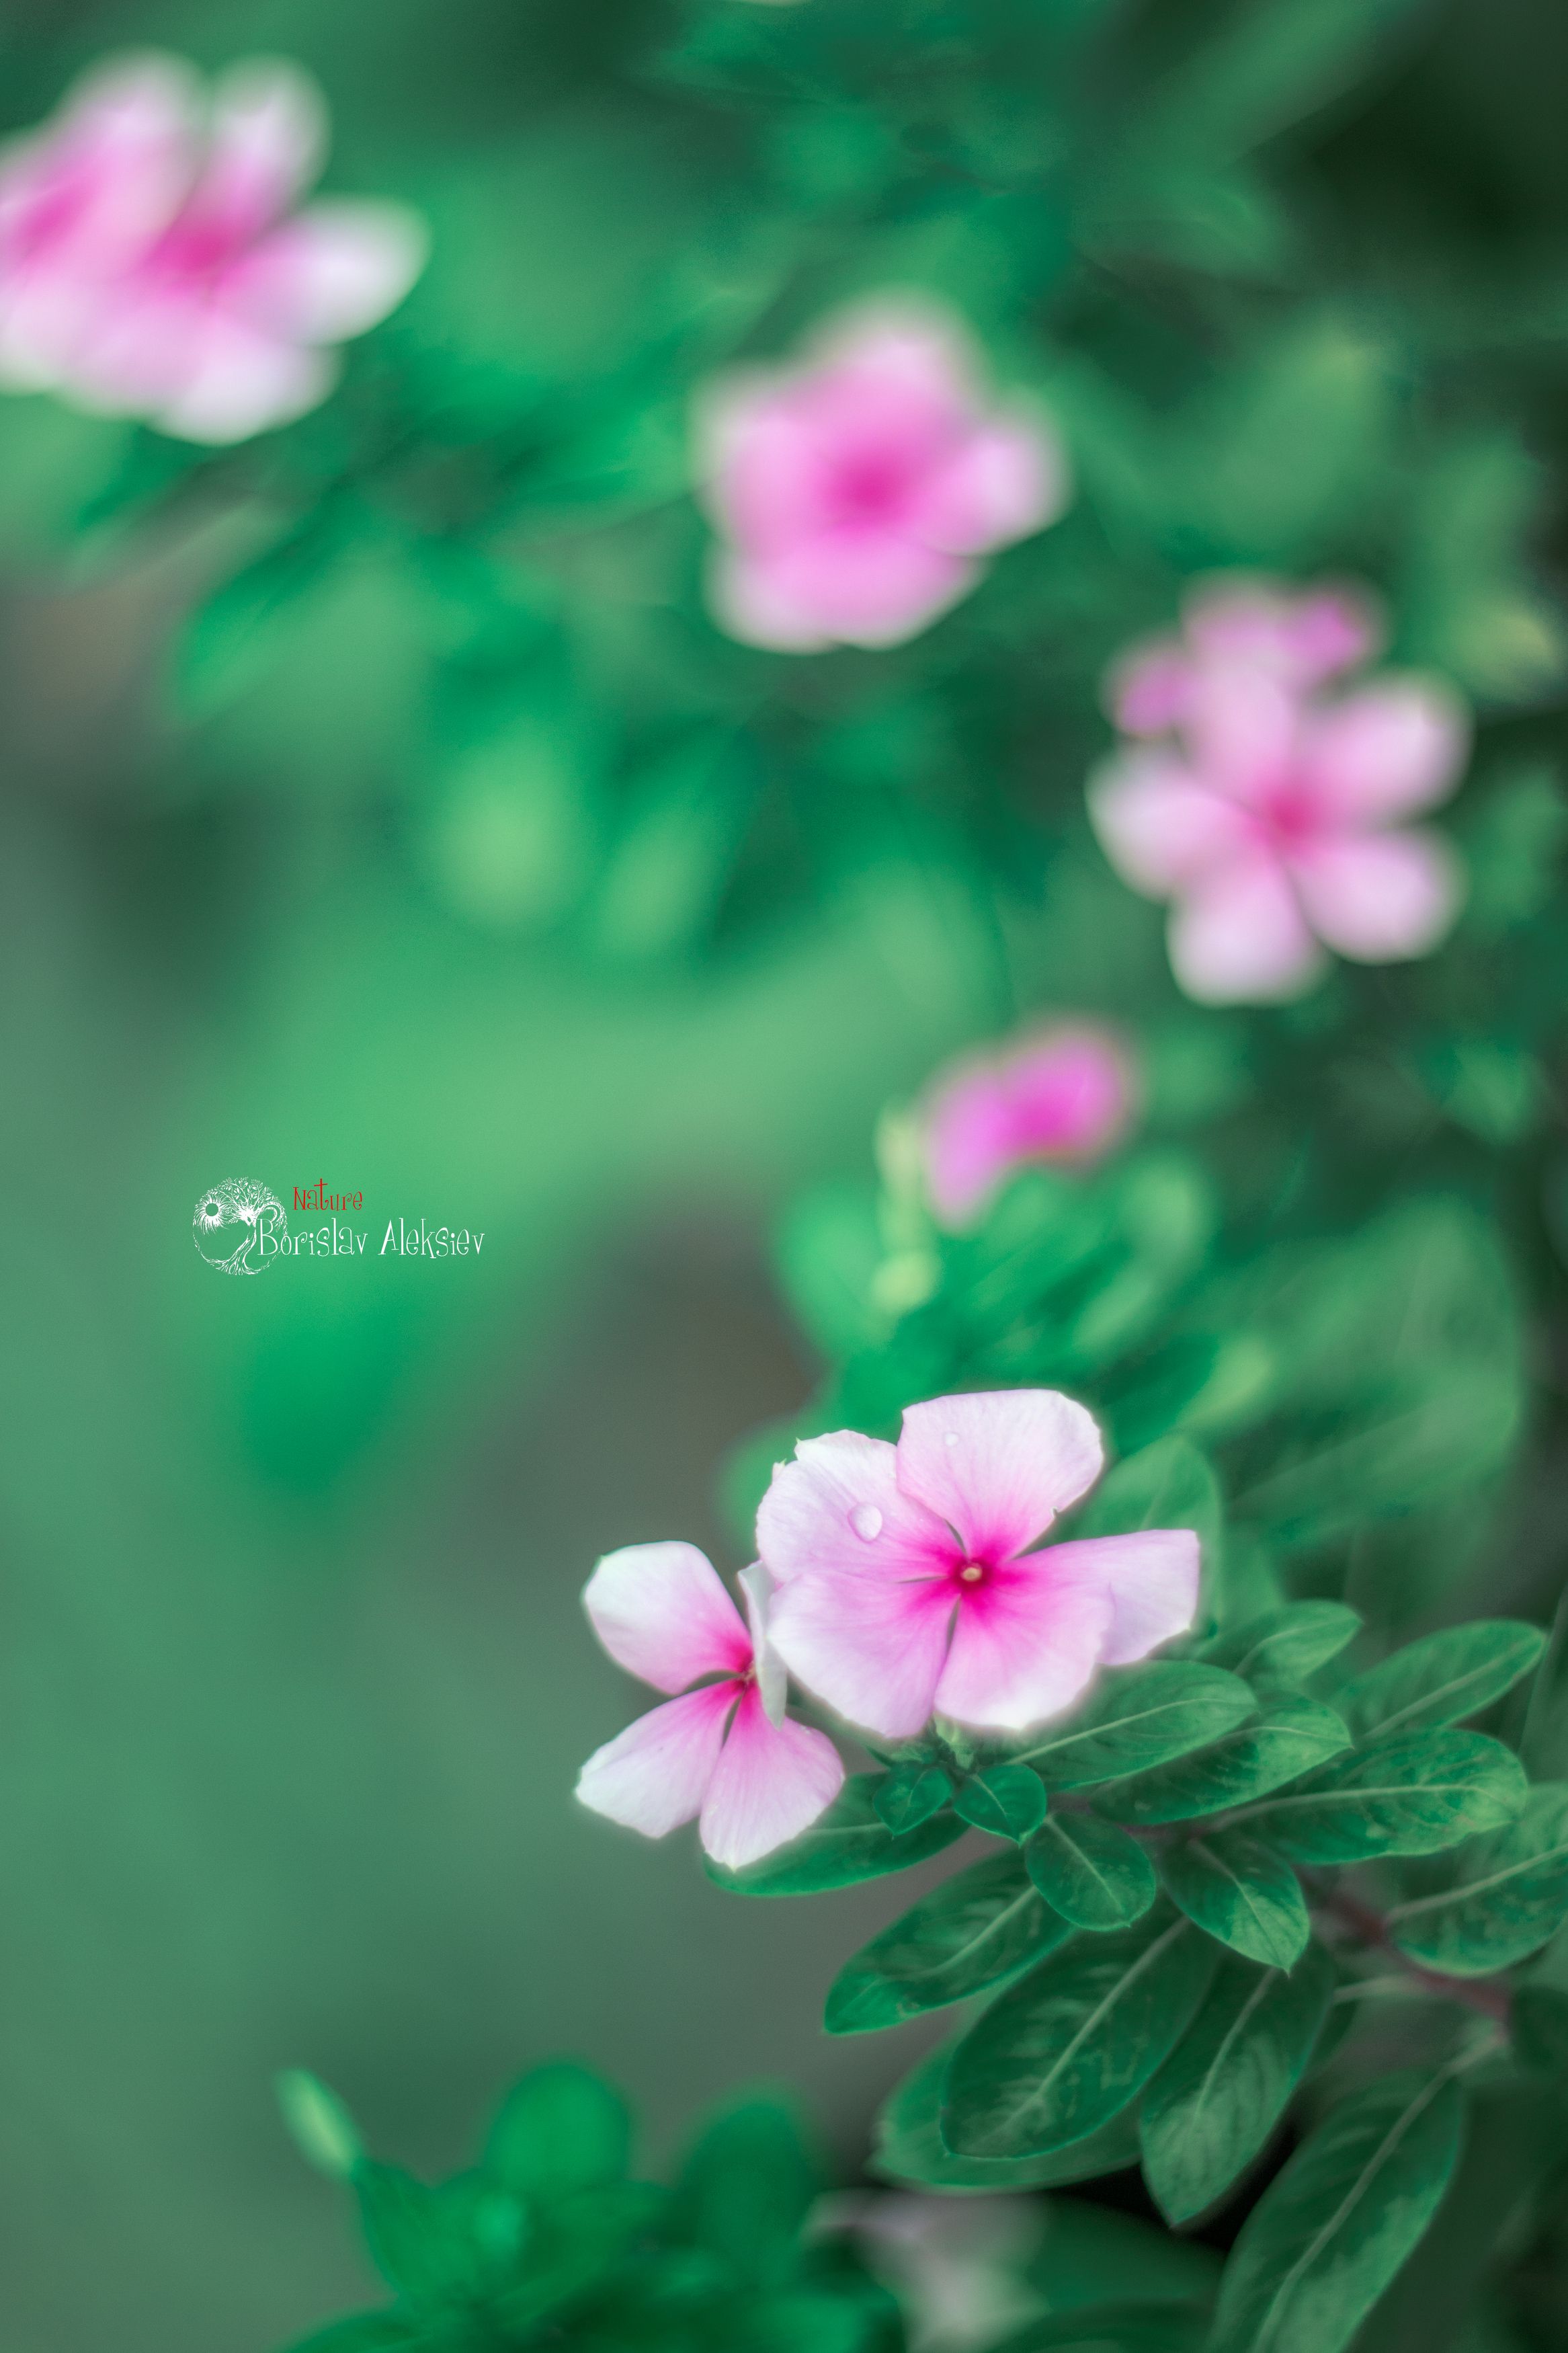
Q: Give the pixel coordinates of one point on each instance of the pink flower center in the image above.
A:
(1290, 817)
(868, 486)
(971, 1573)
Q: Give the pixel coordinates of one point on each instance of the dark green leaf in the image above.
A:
(746, 2188)
(1139, 1718)
(1242, 1892)
(849, 1843)
(1415, 1793)
(1223, 2090)
(1441, 1679)
(1113, 2328)
(437, 2244)
(909, 2147)
(1068, 2046)
(910, 1795)
(1538, 2023)
(973, 1930)
(559, 2130)
(1167, 1485)
(1291, 1735)
(1328, 2236)
(1093, 1874)
(1287, 1645)
(1008, 1800)
(1511, 1897)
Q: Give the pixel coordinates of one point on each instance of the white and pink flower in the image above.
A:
(724, 1753)
(152, 263)
(1063, 1093)
(857, 492)
(907, 1581)
(1268, 809)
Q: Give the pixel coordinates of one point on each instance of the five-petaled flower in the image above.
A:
(149, 264)
(1268, 809)
(1060, 1094)
(906, 1584)
(855, 493)
(724, 1751)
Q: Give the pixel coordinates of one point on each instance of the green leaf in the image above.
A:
(1223, 2090)
(1538, 2023)
(1286, 1646)
(1167, 1485)
(968, 1934)
(435, 2245)
(1139, 1718)
(1242, 1892)
(1415, 1793)
(1328, 2236)
(910, 1795)
(1113, 2328)
(1070, 2044)
(561, 2129)
(909, 2147)
(365, 2332)
(1441, 1679)
(1093, 1874)
(849, 1843)
(321, 2126)
(746, 2188)
(1511, 1896)
(1291, 1735)
(1008, 1800)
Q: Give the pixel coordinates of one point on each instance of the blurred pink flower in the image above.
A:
(1268, 811)
(1062, 1093)
(724, 1751)
(904, 1582)
(855, 493)
(150, 265)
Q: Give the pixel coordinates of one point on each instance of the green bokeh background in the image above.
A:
(293, 1680)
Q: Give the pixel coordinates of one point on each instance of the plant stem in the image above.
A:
(1484, 1995)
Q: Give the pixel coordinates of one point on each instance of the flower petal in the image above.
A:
(1161, 827)
(661, 1611)
(1146, 689)
(268, 136)
(872, 1648)
(657, 1773)
(1240, 726)
(331, 273)
(1239, 937)
(770, 1782)
(1005, 479)
(772, 1677)
(1379, 897)
(839, 1508)
(859, 587)
(1151, 1578)
(998, 1465)
(1395, 747)
(1026, 1643)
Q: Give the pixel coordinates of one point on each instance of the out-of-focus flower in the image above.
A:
(725, 1753)
(904, 1582)
(855, 493)
(1063, 1093)
(1268, 812)
(149, 264)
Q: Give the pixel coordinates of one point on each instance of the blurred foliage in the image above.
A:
(551, 2239)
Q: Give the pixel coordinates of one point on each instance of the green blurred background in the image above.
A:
(293, 1680)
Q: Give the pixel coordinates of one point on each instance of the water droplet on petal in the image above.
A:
(866, 1521)
(949, 1438)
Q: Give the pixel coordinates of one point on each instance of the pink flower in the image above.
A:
(724, 1751)
(150, 265)
(1267, 811)
(856, 491)
(905, 1581)
(1063, 1093)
